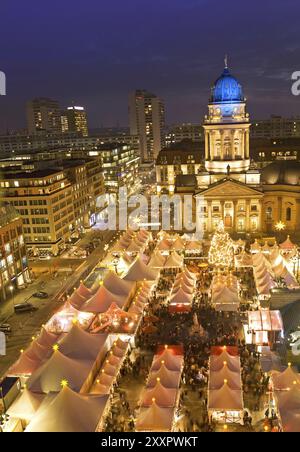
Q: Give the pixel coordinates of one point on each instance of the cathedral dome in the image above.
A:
(227, 89)
(282, 173)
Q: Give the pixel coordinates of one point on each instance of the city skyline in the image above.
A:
(119, 54)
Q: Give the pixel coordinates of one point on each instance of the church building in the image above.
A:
(228, 185)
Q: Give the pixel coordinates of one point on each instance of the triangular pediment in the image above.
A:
(230, 188)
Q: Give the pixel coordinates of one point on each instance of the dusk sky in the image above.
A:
(95, 52)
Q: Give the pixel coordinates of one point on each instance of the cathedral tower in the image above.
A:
(227, 127)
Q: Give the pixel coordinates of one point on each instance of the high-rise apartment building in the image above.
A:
(43, 114)
(147, 120)
(76, 120)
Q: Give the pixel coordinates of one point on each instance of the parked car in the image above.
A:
(24, 307)
(40, 294)
(5, 328)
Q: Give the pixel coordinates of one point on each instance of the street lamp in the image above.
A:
(11, 288)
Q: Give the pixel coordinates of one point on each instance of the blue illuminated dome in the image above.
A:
(227, 89)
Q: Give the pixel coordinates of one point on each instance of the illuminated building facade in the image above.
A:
(147, 121)
(14, 271)
(229, 186)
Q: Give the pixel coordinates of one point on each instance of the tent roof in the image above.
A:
(46, 338)
(286, 379)
(287, 245)
(225, 399)
(174, 261)
(164, 245)
(139, 271)
(217, 362)
(24, 366)
(38, 352)
(157, 260)
(84, 291)
(181, 297)
(180, 284)
(163, 397)
(77, 300)
(155, 419)
(265, 320)
(216, 379)
(102, 301)
(171, 361)
(78, 344)
(168, 378)
(117, 285)
(70, 412)
(26, 405)
(288, 400)
(59, 367)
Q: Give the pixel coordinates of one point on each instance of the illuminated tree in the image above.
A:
(221, 249)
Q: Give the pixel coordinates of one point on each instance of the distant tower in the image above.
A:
(147, 120)
(227, 127)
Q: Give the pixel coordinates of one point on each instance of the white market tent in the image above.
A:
(265, 320)
(288, 404)
(155, 419)
(59, 367)
(83, 291)
(168, 378)
(169, 359)
(102, 300)
(216, 363)
(174, 261)
(79, 344)
(25, 406)
(157, 260)
(181, 297)
(288, 245)
(225, 399)
(286, 380)
(70, 412)
(139, 271)
(117, 285)
(164, 397)
(233, 379)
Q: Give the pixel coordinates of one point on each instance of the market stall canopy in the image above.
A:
(265, 320)
(155, 419)
(288, 245)
(157, 260)
(288, 403)
(174, 261)
(46, 338)
(59, 367)
(116, 285)
(225, 399)
(165, 245)
(163, 397)
(139, 271)
(24, 366)
(193, 246)
(26, 405)
(77, 300)
(83, 291)
(70, 412)
(181, 297)
(170, 360)
(216, 379)
(286, 380)
(232, 362)
(168, 378)
(79, 344)
(102, 300)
